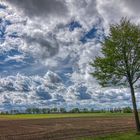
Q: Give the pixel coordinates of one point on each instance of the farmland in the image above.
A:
(63, 126)
(65, 115)
(125, 136)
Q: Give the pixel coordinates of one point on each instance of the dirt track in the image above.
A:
(63, 129)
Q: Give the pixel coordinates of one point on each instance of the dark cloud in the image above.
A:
(48, 46)
(133, 5)
(41, 8)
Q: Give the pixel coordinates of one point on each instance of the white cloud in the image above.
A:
(49, 91)
(46, 36)
(16, 58)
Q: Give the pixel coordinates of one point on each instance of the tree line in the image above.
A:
(64, 110)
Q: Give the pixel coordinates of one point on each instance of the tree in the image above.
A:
(29, 110)
(75, 110)
(120, 60)
(92, 110)
(127, 110)
(54, 110)
(63, 110)
(85, 110)
(44, 111)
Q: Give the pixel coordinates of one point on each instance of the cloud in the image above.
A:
(43, 8)
(132, 5)
(52, 77)
(16, 58)
(42, 30)
(49, 91)
(47, 46)
(28, 38)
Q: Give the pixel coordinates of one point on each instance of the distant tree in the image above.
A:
(92, 110)
(111, 110)
(14, 111)
(116, 110)
(120, 63)
(48, 110)
(54, 110)
(127, 110)
(75, 110)
(7, 113)
(63, 110)
(44, 111)
(2, 113)
(85, 110)
(28, 111)
(35, 110)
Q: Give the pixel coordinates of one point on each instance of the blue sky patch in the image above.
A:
(9, 64)
(73, 25)
(14, 35)
(89, 35)
(3, 25)
(2, 6)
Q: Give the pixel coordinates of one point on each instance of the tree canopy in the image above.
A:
(121, 55)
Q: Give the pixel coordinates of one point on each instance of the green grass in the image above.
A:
(127, 136)
(66, 115)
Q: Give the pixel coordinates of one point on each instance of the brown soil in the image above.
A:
(64, 128)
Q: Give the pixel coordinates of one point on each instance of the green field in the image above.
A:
(127, 136)
(66, 115)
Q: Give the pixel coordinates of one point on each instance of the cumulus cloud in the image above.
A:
(132, 5)
(44, 29)
(46, 45)
(43, 8)
(49, 90)
(16, 58)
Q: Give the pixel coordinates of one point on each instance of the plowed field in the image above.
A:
(63, 128)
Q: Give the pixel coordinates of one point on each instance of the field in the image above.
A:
(63, 126)
(66, 115)
(125, 136)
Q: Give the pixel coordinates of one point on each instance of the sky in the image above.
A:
(46, 47)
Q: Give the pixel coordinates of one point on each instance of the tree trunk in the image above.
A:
(135, 108)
